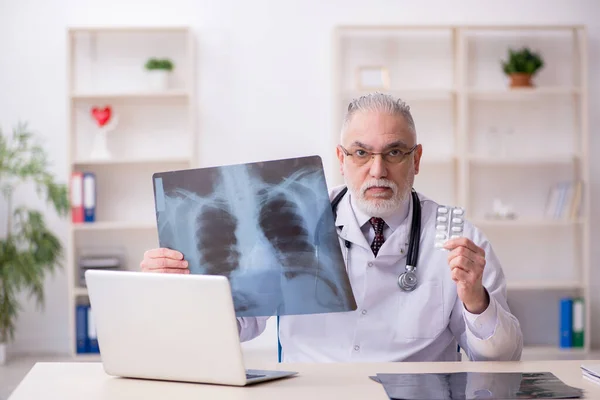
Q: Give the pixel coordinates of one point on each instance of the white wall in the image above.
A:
(264, 83)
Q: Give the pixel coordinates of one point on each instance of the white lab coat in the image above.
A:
(392, 325)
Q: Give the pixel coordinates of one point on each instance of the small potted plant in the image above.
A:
(521, 66)
(159, 71)
(29, 250)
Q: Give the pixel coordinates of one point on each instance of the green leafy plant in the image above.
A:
(158, 63)
(522, 61)
(28, 250)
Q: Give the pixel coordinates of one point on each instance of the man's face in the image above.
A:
(379, 187)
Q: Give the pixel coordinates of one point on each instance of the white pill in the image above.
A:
(442, 210)
(456, 229)
(442, 219)
(441, 227)
(454, 236)
(458, 211)
(440, 236)
(457, 220)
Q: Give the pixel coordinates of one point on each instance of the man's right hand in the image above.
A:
(164, 260)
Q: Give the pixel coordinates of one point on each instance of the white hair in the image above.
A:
(379, 102)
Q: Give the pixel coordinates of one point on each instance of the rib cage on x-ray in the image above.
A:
(267, 227)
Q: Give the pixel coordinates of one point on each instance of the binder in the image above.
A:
(566, 322)
(91, 332)
(578, 322)
(76, 197)
(89, 196)
(81, 329)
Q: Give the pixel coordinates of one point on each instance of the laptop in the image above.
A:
(169, 327)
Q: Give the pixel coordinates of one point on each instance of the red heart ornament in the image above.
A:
(102, 116)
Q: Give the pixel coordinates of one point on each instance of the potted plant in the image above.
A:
(28, 249)
(521, 65)
(159, 71)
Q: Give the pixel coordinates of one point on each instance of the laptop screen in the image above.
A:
(267, 226)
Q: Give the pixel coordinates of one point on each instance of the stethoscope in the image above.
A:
(408, 279)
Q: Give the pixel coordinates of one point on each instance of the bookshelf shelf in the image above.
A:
(80, 291)
(158, 160)
(174, 94)
(521, 160)
(87, 357)
(155, 131)
(527, 149)
(542, 285)
(521, 94)
(115, 225)
(125, 29)
(526, 223)
(552, 352)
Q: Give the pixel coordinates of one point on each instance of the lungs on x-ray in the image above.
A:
(267, 226)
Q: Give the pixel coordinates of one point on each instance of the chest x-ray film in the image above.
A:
(267, 226)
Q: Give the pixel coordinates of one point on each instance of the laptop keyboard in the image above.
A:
(252, 376)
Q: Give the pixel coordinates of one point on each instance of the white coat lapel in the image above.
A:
(347, 221)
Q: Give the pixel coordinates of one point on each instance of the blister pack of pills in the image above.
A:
(449, 224)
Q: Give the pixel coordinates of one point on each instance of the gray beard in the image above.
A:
(382, 208)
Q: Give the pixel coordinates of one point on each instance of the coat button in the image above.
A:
(370, 264)
(364, 312)
(356, 348)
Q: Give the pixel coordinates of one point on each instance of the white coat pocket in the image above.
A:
(421, 312)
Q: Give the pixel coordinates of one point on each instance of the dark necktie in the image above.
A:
(377, 224)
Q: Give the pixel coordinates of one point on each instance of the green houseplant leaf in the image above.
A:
(522, 61)
(29, 251)
(160, 64)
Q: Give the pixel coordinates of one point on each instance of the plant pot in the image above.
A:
(158, 80)
(520, 80)
(3, 353)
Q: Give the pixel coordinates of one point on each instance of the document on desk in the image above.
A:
(476, 385)
(267, 226)
(591, 372)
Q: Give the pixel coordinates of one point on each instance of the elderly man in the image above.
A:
(460, 294)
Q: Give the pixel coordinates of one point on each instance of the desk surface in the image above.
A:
(315, 381)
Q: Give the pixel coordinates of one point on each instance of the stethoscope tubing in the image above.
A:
(407, 281)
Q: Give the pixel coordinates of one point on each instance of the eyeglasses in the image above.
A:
(392, 156)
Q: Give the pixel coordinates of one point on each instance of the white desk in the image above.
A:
(88, 381)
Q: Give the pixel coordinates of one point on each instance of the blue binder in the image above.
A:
(566, 323)
(81, 329)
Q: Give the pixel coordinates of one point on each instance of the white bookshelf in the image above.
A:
(155, 132)
(483, 140)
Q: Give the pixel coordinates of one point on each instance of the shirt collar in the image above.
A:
(393, 221)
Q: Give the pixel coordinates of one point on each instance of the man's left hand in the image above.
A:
(467, 261)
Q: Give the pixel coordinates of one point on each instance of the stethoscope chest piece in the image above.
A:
(407, 281)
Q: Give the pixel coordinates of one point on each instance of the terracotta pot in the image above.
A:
(520, 80)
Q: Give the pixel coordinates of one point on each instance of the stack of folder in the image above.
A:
(572, 322)
(83, 197)
(98, 261)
